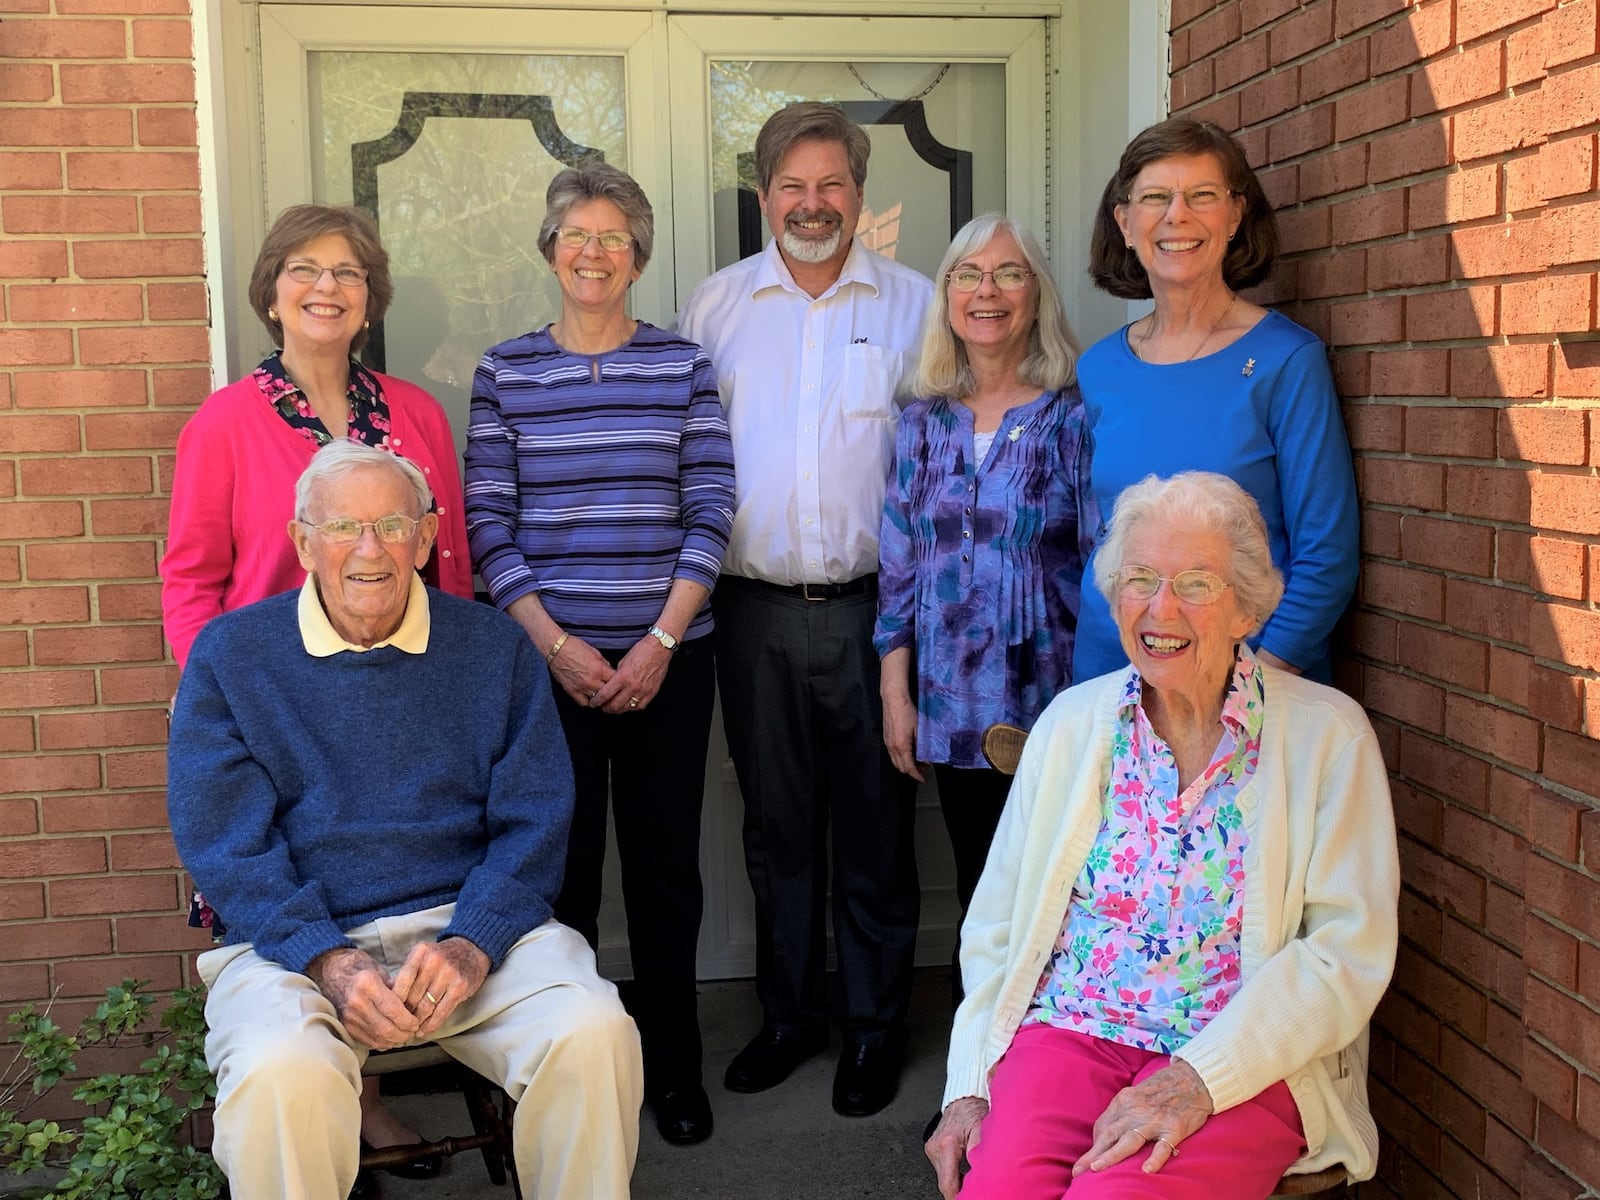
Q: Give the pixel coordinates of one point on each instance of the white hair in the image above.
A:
(338, 459)
(1207, 501)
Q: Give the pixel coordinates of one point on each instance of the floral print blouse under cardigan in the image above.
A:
(1149, 948)
(369, 425)
(980, 562)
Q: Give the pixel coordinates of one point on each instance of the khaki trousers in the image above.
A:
(544, 1026)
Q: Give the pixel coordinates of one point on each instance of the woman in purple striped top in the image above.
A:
(599, 498)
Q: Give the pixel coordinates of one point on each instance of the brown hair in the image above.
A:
(1113, 265)
(809, 121)
(302, 224)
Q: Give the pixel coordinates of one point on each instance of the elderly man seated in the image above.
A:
(368, 780)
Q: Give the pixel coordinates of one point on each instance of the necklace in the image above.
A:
(1233, 298)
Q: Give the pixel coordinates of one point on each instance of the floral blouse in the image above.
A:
(980, 564)
(1149, 947)
(369, 411)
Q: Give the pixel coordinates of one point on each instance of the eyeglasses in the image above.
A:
(309, 272)
(1192, 587)
(396, 527)
(970, 279)
(574, 238)
(1198, 198)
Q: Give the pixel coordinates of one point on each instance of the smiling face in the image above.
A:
(363, 585)
(324, 316)
(813, 203)
(1178, 245)
(593, 278)
(1177, 646)
(991, 318)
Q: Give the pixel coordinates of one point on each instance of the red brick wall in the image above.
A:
(103, 347)
(1433, 165)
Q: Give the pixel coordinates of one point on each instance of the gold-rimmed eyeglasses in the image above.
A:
(1192, 587)
(970, 279)
(396, 527)
(574, 238)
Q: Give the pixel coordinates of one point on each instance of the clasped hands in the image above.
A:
(382, 1012)
(1159, 1112)
(586, 676)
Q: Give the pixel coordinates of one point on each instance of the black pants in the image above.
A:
(799, 683)
(655, 760)
(971, 800)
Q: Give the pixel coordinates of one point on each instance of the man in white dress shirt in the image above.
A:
(810, 339)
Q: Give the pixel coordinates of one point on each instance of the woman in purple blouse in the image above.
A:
(986, 527)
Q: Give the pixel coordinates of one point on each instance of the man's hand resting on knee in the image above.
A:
(359, 989)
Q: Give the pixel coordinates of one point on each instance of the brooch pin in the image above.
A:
(1016, 432)
(1249, 367)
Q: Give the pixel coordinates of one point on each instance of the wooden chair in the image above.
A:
(1002, 746)
(491, 1118)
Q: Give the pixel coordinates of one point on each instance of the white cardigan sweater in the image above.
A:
(1322, 883)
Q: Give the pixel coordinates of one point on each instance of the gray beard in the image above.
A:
(808, 250)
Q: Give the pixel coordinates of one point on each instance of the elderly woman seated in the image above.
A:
(1189, 911)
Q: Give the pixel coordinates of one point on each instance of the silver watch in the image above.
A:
(665, 638)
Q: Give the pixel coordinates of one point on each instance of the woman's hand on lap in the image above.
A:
(1158, 1113)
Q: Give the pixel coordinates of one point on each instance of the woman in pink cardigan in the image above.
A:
(321, 279)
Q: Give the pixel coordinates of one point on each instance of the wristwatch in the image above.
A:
(665, 638)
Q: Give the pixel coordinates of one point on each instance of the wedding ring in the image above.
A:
(633, 702)
(431, 999)
(1170, 1146)
(1143, 1136)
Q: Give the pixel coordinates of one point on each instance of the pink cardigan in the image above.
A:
(233, 498)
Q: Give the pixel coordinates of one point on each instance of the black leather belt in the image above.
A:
(859, 586)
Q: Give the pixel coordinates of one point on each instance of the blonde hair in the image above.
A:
(1052, 360)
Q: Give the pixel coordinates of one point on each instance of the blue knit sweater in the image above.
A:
(310, 795)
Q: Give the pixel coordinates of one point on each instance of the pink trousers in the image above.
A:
(1051, 1087)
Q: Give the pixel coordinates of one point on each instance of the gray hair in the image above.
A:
(340, 458)
(1052, 361)
(810, 121)
(598, 181)
(1213, 503)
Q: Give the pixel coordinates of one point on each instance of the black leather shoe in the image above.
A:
(683, 1115)
(867, 1079)
(770, 1058)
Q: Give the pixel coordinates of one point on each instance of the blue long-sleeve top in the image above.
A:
(1262, 411)
(597, 480)
(311, 795)
(980, 565)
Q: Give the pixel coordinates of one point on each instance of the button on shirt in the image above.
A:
(810, 390)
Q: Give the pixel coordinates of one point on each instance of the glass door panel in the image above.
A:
(450, 148)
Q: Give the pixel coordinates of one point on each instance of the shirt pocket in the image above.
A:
(871, 376)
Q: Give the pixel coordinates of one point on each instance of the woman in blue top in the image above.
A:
(1212, 382)
(984, 530)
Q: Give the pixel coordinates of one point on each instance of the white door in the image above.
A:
(447, 124)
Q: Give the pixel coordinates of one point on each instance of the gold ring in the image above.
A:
(431, 998)
(1143, 1136)
(633, 702)
(1173, 1146)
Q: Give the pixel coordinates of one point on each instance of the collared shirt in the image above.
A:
(322, 640)
(1149, 948)
(809, 386)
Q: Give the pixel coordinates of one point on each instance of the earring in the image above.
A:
(272, 315)
(1130, 245)
(366, 324)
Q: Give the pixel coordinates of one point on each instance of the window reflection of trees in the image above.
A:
(460, 210)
